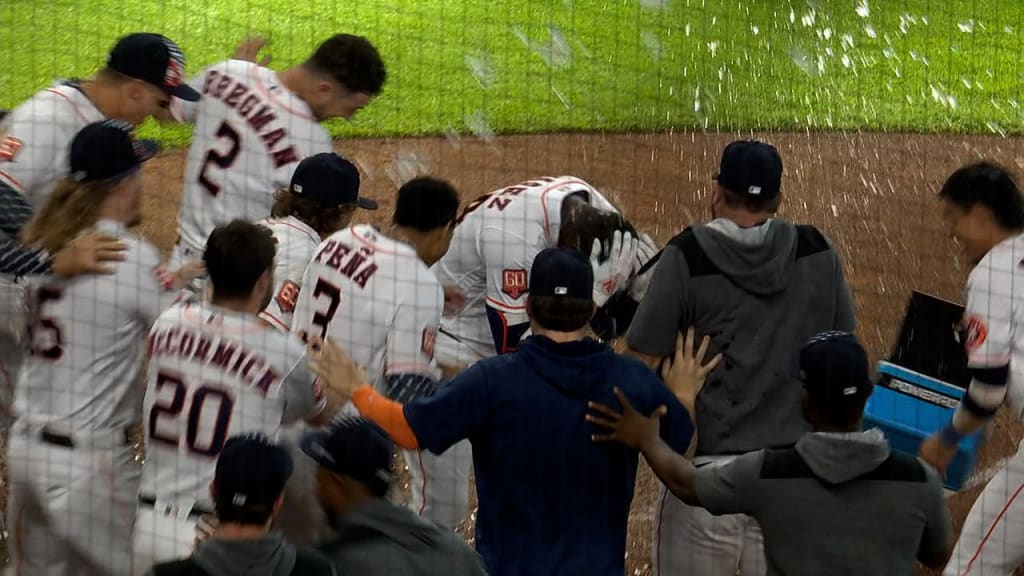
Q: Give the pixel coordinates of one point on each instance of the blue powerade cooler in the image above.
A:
(922, 383)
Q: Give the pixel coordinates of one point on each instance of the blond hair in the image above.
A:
(70, 209)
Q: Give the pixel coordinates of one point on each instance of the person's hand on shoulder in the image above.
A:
(629, 427)
(250, 48)
(87, 254)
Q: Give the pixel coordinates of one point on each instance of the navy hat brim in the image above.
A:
(367, 203)
(185, 92)
(313, 444)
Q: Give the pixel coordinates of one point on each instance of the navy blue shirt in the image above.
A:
(551, 501)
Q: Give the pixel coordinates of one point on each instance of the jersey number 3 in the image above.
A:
(222, 161)
(171, 408)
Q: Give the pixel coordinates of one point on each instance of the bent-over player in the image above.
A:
(254, 125)
(321, 199)
(373, 293)
(72, 467)
(215, 371)
(984, 210)
(496, 238)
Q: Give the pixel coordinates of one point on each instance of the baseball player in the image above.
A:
(321, 199)
(254, 125)
(72, 467)
(215, 371)
(496, 238)
(984, 210)
(373, 293)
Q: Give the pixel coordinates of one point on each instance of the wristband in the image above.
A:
(949, 435)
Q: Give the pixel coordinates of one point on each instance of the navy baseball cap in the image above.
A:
(330, 180)
(835, 365)
(562, 272)
(251, 472)
(106, 150)
(751, 167)
(154, 59)
(354, 447)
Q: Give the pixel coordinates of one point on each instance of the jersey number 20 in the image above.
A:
(171, 409)
(222, 161)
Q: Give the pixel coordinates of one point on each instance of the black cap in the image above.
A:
(355, 447)
(562, 272)
(835, 365)
(106, 150)
(251, 472)
(330, 180)
(751, 167)
(154, 59)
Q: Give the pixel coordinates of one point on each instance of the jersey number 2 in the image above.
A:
(222, 161)
(172, 409)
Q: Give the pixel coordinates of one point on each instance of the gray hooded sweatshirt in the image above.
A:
(381, 539)
(760, 293)
(267, 556)
(834, 504)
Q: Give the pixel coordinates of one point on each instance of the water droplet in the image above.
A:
(406, 166)
(652, 44)
(808, 19)
(870, 31)
(481, 68)
(687, 28)
(966, 82)
(755, 30)
(995, 128)
(478, 124)
(846, 61)
(846, 40)
(713, 47)
(966, 26)
(827, 33)
(562, 98)
(792, 16)
(863, 10)
(803, 60)
(1008, 29)
(888, 52)
(654, 4)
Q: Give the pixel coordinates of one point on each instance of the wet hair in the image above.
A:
(352, 61)
(990, 185)
(236, 255)
(559, 313)
(425, 204)
(586, 224)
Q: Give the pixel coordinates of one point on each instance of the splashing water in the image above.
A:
(478, 125)
(863, 10)
(652, 44)
(967, 26)
(481, 68)
(995, 128)
(406, 166)
(870, 31)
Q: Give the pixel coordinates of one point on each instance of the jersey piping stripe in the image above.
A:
(269, 317)
(501, 305)
(262, 88)
(194, 317)
(10, 180)
(72, 102)
(988, 360)
(375, 247)
(991, 528)
(307, 231)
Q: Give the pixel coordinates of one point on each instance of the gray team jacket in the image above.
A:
(381, 539)
(760, 293)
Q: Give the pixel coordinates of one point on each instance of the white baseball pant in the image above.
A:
(690, 540)
(72, 501)
(163, 532)
(992, 539)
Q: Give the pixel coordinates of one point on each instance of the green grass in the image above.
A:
(561, 65)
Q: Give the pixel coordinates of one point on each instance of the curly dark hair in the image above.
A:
(319, 217)
(352, 61)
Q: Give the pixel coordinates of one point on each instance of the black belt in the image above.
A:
(63, 440)
(196, 511)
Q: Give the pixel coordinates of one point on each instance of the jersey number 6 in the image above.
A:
(223, 161)
(172, 409)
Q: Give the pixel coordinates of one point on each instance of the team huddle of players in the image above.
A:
(424, 297)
